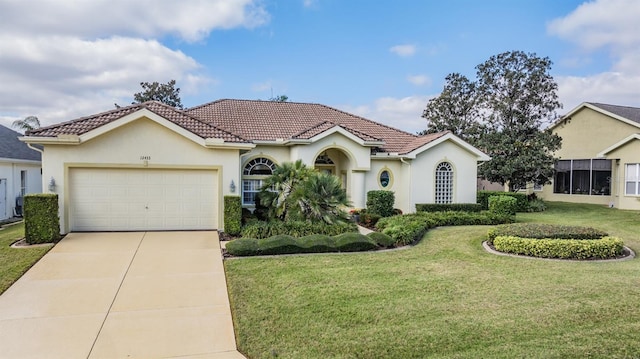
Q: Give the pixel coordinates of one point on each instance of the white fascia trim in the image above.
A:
(60, 140)
(15, 160)
(142, 113)
(218, 143)
(282, 142)
(594, 108)
(617, 145)
(346, 134)
(481, 156)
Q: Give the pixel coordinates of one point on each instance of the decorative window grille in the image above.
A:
(444, 183)
(254, 172)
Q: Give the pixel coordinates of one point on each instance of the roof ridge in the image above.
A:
(608, 104)
(311, 128)
(103, 113)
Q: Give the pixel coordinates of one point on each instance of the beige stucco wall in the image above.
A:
(627, 154)
(423, 174)
(399, 184)
(124, 146)
(584, 136)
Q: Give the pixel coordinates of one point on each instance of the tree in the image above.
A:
(455, 110)
(279, 98)
(513, 97)
(29, 123)
(277, 188)
(165, 93)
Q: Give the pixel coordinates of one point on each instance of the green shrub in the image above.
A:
(354, 242)
(380, 203)
(503, 205)
(279, 244)
(369, 219)
(317, 243)
(408, 228)
(521, 198)
(261, 229)
(536, 205)
(442, 207)
(381, 239)
(539, 230)
(232, 215)
(605, 248)
(243, 247)
(41, 221)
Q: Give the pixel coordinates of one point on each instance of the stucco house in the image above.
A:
(153, 167)
(600, 157)
(20, 172)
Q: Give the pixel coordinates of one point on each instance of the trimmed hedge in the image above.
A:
(521, 198)
(380, 202)
(540, 231)
(317, 243)
(41, 221)
(503, 205)
(232, 215)
(409, 228)
(444, 207)
(382, 239)
(605, 248)
(261, 229)
(369, 219)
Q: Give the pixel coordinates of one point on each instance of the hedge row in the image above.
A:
(232, 215)
(537, 230)
(605, 248)
(380, 202)
(316, 243)
(443, 207)
(503, 205)
(41, 221)
(408, 228)
(261, 229)
(522, 204)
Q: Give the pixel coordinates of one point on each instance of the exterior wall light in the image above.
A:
(52, 185)
(232, 187)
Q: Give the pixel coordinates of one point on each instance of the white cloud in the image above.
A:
(402, 113)
(602, 25)
(403, 50)
(419, 80)
(60, 59)
(309, 3)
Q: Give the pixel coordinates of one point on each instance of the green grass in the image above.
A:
(15, 261)
(443, 298)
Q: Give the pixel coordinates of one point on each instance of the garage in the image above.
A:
(142, 199)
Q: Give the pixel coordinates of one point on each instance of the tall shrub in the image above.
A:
(380, 202)
(504, 205)
(41, 220)
(232, 215)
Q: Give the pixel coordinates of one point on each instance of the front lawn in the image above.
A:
(15, 261)
(443, 298)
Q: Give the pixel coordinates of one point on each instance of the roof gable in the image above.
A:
(626, 114)
(615, 146)
(434, 139)
(12, 148)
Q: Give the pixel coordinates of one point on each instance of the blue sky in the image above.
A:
(379, 59)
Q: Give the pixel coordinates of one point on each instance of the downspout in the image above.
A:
(35, 149)
(402, 160)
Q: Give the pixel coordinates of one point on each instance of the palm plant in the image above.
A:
(27, 124)
(321, 198)
(277, 188)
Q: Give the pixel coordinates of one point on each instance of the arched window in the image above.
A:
(444, 183)
(254, 172)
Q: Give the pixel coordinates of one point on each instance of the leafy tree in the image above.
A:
(153, 91)
(455, 110)
(280, 98)
(27, 124)
(513, 97)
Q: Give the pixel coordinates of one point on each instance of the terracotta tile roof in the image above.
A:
(249, 120)
(630, 113)
(85, 124)
(267, 120)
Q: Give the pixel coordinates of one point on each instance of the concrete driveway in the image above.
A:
(122, 295)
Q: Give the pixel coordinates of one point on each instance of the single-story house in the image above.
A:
(153, 167)
(20, 172)
(599, 161)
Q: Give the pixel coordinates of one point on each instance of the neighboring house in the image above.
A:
(150, 166)
(600, 157)
(20, 172)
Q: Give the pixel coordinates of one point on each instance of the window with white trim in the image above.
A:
(444, 183)
(254, 172)
(632, 179)
(23, 183)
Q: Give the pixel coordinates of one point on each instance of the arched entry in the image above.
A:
(336, 162)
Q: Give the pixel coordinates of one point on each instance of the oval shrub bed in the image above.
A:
(554, 241)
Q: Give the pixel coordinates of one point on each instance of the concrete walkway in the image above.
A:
(122, 295)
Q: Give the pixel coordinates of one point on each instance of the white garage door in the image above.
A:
(104, 199)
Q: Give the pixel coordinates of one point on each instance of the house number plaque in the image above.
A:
(145, 158)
